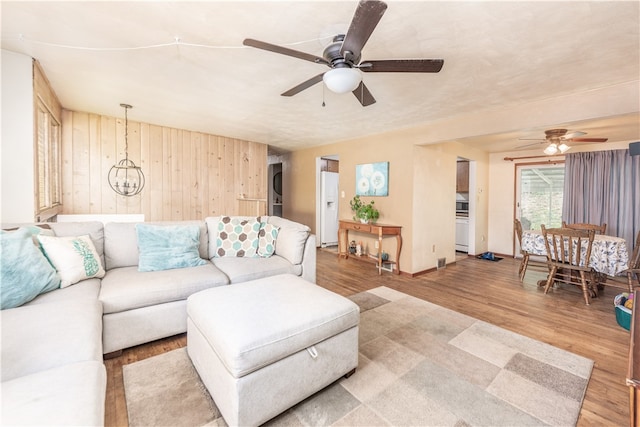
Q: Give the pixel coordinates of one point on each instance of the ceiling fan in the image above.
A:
(557, 140)
(343, 56)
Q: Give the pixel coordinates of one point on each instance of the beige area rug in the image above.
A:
(420, 365)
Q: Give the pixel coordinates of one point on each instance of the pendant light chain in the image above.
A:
(126, 131)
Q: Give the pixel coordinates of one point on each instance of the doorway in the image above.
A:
(465, 219)
(539, 194)
(327, 200)
(275, 190)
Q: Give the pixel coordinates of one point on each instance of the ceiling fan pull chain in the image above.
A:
(323, 87)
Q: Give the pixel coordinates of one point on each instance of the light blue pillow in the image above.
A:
(165, 247)
(25, 272)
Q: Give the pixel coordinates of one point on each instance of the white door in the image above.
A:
(329, 209)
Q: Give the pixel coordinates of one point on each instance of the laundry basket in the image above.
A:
(623, 314)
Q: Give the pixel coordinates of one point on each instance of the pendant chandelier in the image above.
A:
(125, 178)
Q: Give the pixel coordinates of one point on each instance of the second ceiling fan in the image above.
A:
(343, 57)
(557, 140)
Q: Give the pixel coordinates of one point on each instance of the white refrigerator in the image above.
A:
(329, 209)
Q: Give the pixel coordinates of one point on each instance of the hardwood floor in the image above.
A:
(488, 291)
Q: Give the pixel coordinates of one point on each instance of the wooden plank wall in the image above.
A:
(189, 175)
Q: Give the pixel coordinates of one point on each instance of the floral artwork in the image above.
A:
(372, 179)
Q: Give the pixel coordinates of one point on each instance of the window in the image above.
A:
(539, 192)
(48, 191)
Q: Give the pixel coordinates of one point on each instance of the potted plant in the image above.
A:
(365, 212)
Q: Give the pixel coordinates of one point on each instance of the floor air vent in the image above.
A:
(442, 263)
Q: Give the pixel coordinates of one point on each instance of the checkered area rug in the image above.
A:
(420, 364)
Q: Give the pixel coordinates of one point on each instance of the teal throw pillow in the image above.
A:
(25, 272)
(267, 239)
(165, 247)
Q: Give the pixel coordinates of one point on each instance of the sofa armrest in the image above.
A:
(309, 259)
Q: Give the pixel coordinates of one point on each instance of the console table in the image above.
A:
(379, 230)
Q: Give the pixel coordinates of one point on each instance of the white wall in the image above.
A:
(16, 152)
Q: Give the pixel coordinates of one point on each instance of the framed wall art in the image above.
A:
(372, 179)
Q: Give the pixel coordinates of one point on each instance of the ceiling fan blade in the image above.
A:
(304, 85)
(364, 96)
(402, 66)
(529, 145)
(365, 20)
(589, 139)
(284, 51)
(573, 134)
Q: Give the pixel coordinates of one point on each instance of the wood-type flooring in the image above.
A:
(488, 291)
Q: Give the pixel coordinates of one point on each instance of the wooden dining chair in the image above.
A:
(569, 251)
(528, 259)
(599, 229)
(625, 278)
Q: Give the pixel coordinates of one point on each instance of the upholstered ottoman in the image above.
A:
(262, 346)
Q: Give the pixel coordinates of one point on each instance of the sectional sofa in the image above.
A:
(52, 346)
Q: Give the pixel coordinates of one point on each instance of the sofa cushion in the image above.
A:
(237, 237)
(165, 247)
(291, 239)
(244, 269)
(121, 242)
(42, 336)
(267, 238)
(74, 257)
(127, 288)
(89, 289)
(72, 394)
(24, 271)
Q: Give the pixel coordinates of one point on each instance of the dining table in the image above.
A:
(609, 254)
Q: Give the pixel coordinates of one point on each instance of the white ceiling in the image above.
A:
(496, 54)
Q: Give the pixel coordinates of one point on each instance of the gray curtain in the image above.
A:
(604, 187)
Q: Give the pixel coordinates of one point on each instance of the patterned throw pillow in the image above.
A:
(75, 258)
(267, 239)
(237, 237)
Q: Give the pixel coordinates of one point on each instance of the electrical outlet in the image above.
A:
(342, 194)
(433, 249)
(376, 244)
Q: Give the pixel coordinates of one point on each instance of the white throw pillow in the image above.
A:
(74, 257)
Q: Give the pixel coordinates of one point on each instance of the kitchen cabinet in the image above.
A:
(328, 165)
(462, 177)
(462, 234)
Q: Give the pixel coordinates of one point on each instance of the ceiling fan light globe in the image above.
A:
(551, 150)
(563, 148)
(342, 80)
